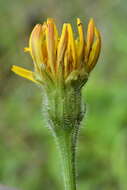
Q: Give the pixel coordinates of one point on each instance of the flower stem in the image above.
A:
(67, 150)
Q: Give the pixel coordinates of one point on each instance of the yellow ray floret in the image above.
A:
(23, 73)
(81, 39)
(35, 44)
(90, 37)
(94, 55)
(71, 46)
(50, 41)
(62, 45)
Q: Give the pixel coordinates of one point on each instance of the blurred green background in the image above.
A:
(28, 157)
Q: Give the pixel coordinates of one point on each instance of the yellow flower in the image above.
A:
(61, 57)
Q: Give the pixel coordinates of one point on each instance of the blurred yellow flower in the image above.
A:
(61, 57)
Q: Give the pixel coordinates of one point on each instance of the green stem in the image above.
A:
(67, 150)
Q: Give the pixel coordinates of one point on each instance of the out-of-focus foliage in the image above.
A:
(28, 158)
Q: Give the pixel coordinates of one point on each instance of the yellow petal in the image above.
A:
(95, 52)
(50, 41)
(81, 39)
(23, 73)
(35, 44)
(56, 36)
(90, 37)
(62, 45)
(71, 46)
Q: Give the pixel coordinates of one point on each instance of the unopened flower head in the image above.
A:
(61, 58)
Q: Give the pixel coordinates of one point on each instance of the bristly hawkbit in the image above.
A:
(61, 66)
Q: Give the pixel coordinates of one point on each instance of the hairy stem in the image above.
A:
(67, 151)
